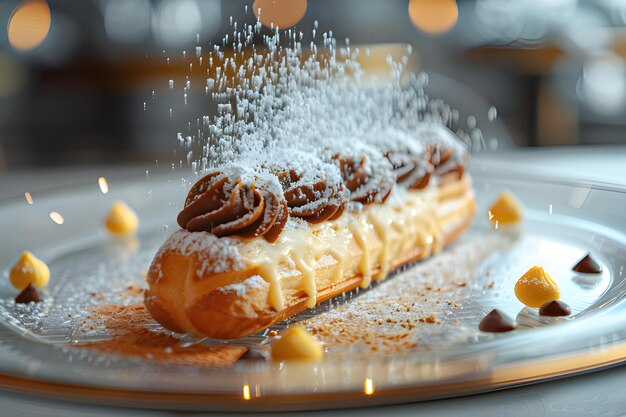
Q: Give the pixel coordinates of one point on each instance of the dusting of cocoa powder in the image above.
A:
(132, 337)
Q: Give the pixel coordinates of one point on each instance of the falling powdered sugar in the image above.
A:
(277, 95)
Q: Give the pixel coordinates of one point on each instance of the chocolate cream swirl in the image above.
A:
(412, 171)
(367, 174)
(445, 162)
(315, 198)
(228, 205)
(408, 157)
(444, 150)
(417, 156)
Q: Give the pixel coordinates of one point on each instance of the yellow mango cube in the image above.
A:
(29, 270)
(505, 210)
(121, 220)
(536, 287)
(297, 344)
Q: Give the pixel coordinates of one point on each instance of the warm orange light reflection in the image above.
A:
(57, 217)
(433, 16)
(29, 25)
(246, 392)
(281, 13)
(29, 198)
(104, 186)
(368, 386)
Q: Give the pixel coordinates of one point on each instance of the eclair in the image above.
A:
(262, 242)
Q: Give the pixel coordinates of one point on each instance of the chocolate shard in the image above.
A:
(555, 308)
(497, 322)
(28, 295)
(587, 266)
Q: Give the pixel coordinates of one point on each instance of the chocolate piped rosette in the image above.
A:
(261, 241)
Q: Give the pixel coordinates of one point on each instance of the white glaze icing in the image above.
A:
(411, 220)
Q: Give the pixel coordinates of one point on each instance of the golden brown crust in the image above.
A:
(180, 300)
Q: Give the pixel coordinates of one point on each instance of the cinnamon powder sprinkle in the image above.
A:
(132, 338)
(429, 319)
(415, 312)
(132, 291)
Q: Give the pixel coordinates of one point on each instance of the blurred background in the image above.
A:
(88, 82)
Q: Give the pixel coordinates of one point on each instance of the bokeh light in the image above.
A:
(29, 25)
(246, 392)
(368, 386)
(433, 16)
(104, 186)
(127, 21)
(57, 217)
(13, 76)
(176, 22)
(602, 85)
(280, 13)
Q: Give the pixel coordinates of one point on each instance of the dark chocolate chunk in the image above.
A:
(555, 308)
(28, 295)
(497, 322)
(587, 266)
(254, 354)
